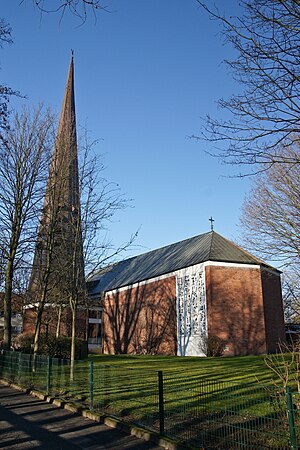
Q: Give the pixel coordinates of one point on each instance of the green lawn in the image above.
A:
(242, 369)
(225, 399)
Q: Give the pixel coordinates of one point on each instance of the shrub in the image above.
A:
(52, 346)
(212, 345)
(24, 342)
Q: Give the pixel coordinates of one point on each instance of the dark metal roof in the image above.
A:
(209, 246)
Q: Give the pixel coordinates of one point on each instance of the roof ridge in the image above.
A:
(211, 243)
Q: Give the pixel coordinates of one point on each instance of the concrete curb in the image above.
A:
(110, 421)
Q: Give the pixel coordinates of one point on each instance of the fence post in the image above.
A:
(91, 385)
(161, 402)
(49, 364)
(291, 417)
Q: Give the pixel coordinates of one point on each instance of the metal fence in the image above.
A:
(204, 414)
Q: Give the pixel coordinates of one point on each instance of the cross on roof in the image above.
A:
(211, 223)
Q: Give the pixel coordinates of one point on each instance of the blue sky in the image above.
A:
(145, 74)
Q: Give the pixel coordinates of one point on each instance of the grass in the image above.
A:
(242, 369)
(224, 398)
(132, 381)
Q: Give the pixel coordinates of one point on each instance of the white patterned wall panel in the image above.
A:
(191, 311)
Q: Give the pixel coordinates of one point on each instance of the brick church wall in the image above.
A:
(29, 320)
(244, 307)
(141, 319)
(235, 308)
(273, 311)
(50, 319)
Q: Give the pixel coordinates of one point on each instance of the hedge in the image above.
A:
(50, 345)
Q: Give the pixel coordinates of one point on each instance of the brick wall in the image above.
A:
(235, 308)
(50, 319)
(141, 319)
(244, 308)
(273, 311)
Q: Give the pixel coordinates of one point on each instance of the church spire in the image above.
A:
(65, 159)
(67, 115)
(59, 250)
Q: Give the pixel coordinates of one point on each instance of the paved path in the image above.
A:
(29, 423)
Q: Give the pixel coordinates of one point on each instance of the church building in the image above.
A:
(168, 301)
(171, 300)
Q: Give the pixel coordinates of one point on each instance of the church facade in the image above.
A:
(168, 301)
(171, 300)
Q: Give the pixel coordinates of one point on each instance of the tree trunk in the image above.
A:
(37, 331)
(86, 324)
(58, 322)
(73, 307)
(38, 323)
(7, 305)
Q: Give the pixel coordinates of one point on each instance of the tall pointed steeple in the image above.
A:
(58, 267)
(65, 159)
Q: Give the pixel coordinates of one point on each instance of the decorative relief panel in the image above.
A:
(191, 311)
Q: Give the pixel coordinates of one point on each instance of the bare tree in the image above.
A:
(70, 238)
(5, 91)
(100, 200)
(265, 114)
(46, 274)
(79, 8)
(23, 163)
(271, 212)
(270, 223)
(291, 295)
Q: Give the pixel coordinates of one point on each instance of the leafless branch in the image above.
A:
(265, 115)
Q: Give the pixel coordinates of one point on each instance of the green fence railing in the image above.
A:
(201, 413)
